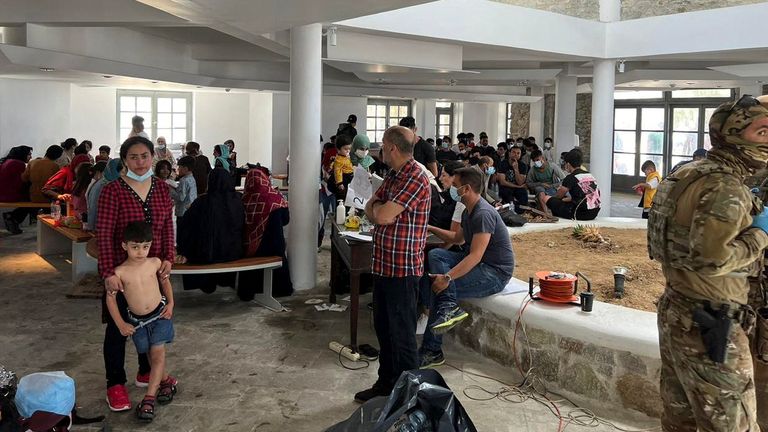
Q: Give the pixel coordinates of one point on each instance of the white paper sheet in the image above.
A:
(356, 235)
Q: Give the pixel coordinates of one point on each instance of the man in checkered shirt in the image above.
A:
(400, 211)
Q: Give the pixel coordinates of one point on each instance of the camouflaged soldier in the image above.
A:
(758, 301)
(702, 230)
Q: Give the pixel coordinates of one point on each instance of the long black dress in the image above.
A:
(211, 231)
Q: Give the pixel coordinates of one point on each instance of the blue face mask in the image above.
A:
(490, 170)
(139, 178)
(454, 194)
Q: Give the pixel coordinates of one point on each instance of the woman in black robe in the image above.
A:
(211, 231)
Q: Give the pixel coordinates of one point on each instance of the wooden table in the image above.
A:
(357, 257)
(52, 239)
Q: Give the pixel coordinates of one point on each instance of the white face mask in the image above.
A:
(161, 146)
(361, 153)
(538, 164)
(547, 145)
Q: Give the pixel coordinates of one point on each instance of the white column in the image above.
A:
(610, 10)
(306, 97)
(601, 151)
(536, 123)
(424, 114)
(565, 113)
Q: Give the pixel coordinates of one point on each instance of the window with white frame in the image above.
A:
(444, 119)
(166, 114)
(383, 113)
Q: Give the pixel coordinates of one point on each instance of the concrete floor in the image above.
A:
(241, 367)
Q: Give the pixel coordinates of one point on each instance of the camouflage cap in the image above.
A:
(730, 120)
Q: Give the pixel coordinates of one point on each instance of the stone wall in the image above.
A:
(587, 9)
(549, 116)
(583, 120)
(584, 123)
(600, 378)
(630, 9)
(521, 119)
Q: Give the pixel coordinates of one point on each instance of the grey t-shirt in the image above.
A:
(485, 219)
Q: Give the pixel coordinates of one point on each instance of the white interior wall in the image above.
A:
(281, 103)
(33, 113)
(336, 109)
(93, 115)
(219, 117)
(260, 145)
(485, 117)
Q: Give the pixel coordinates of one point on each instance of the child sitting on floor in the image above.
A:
(149, 313)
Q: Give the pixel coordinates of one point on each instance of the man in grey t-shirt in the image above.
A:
(483, 271)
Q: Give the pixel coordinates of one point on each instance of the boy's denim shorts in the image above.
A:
(151, 331)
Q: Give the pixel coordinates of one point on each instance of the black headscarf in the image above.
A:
(211, 230)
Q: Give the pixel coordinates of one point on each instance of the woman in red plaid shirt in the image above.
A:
(136, 196)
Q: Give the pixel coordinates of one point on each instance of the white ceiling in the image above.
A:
(414, 48)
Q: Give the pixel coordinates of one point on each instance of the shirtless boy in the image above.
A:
(149, 313)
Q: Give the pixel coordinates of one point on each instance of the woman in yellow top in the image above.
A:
(648, 188)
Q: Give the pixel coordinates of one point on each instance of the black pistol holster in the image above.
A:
(715, 327)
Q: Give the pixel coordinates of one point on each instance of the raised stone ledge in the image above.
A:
(608, 358)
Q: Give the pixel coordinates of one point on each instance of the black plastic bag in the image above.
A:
(417, 390)
(512, 219)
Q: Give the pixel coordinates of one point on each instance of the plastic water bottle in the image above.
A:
(417, 422)
(340, 213)
(56, 210)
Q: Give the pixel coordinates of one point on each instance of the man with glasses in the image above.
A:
(707, 230)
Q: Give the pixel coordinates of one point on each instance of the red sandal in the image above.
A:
(145, 410)
(167, 391)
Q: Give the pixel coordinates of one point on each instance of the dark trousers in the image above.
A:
(394, 317)
(518, 196)
(114, 348)
(21, 213)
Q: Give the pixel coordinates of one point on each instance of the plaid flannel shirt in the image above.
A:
(398, 249)
(118, 206)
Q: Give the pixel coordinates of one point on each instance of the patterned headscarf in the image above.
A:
(361, 142)
(726, 126)
(260, 200)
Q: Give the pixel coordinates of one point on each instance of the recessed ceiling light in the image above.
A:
(690, 83)
(47, 69)
(107, 76)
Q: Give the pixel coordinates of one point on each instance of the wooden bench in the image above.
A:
(25, 204)
(53, 240)
(268, 264)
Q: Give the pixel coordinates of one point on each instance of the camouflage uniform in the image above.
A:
(758, 339)
(699, 229)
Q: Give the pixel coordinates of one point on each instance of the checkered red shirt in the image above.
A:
(118, 206)
(398, 249)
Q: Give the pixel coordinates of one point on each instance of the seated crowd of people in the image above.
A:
(223, 225)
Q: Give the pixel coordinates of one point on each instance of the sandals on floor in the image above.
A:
(145, 410)
(167, 391)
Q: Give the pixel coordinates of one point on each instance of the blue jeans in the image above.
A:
(481, 281)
